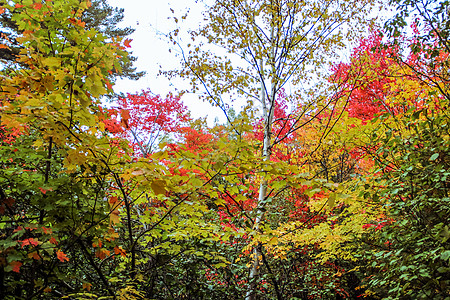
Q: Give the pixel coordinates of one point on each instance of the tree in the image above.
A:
(146, 120)
(280, 42)
(99, 16)
(429, 42)
(56, 161)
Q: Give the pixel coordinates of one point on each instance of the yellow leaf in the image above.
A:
(114, 217)
(159, 187)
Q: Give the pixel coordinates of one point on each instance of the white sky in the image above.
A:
(149, 17)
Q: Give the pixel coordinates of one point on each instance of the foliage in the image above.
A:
(55, 159)
(410, 245)
(338, 192)
(147, 120)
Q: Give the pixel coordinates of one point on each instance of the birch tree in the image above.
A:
(250, 49)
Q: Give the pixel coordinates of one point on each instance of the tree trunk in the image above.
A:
(268, 110)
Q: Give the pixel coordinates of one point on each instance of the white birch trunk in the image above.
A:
(268, 111)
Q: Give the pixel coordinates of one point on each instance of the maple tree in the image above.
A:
(147, 120)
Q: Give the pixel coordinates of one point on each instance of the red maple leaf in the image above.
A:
(102, 253)
(34, 255)
(18, 229)
(127, 42)
(45, 190)
(29, 241)
(16, 266)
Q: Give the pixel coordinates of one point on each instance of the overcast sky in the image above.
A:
(150, 19)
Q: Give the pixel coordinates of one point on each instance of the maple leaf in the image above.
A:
(73, 21)
(19, 228)
(16, 266)
(108, 84)
(61, 256)
(127, 42)
(114, 217)
(112, 201)
(37, 6)
(47, 230)
(99, 244)
(119, 250)
(53, 241)
(2, 10)
(44, 190)
(34, 255)
(102, 253)
(125, 116)
(29, 241)
(87, 286)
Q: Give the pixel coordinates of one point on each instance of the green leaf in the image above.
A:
(445, 255)
(434, 156)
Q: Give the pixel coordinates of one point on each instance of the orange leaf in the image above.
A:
(37, 5)
(125, 116)
(102, 253)
(119, 250)
(29, 241)
(127, 42)
(112, 201)
(53, 241)
(19, 5)
(34, 255)
(87, 286)
(99, 244)
(47, 290)
(16, 266)
(47, 230)
(2, 10)
(61, 256)
(108, 84)
(18, 229)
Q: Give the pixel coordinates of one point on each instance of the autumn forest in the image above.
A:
(331, 181)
